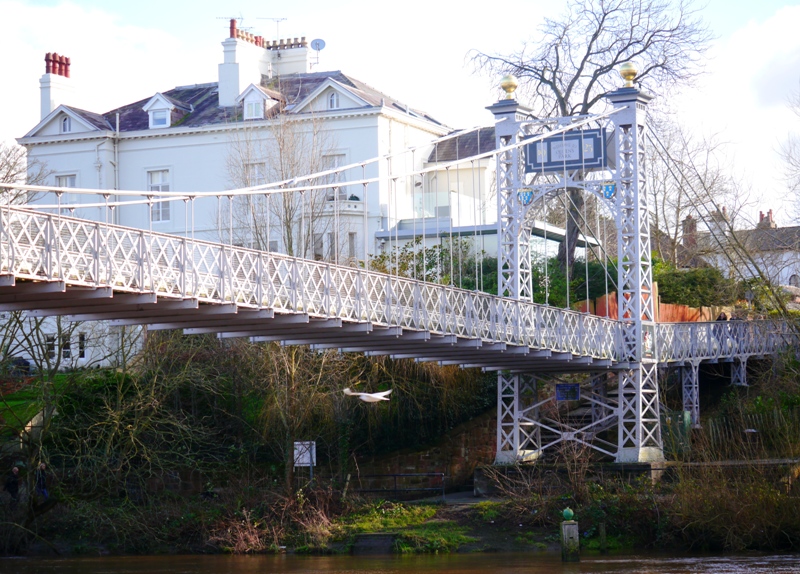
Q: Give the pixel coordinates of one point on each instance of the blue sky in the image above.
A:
(415, 51)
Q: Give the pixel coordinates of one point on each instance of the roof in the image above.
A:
(471, 143)
(771, 239)
(201, 101)
(96, 120)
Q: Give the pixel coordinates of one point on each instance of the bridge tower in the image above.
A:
(637, 413)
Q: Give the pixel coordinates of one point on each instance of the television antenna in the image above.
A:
(277, 25)
(239, 19)
(317, 45)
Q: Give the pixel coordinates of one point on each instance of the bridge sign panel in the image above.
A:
(568, 392)
(584, 150)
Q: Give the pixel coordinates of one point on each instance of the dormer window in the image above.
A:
(162, 111)
(254, 109)
(159, 118)
(333, 101)
(66, 125)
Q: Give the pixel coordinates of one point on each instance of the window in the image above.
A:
(333, 101)
(332, 162)
(66, 351)
(81, 345)
(159, 118)
(351, 245)
(256, 174)
(318, 246)
(254, 110)
(66, 124)
(273, 246)
(66, 180)
(50, 346)
(794, 280)
(159, 181)
(332, 245)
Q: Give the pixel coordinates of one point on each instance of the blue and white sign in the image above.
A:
(568, 392)
(609, 189)
(585, 150)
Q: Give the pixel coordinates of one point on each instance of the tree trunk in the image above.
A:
(566, 250)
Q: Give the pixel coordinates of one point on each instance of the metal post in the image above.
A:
(691, 389)
(639, 434)
(739, 371)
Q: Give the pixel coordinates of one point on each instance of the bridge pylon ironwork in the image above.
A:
(637, 409)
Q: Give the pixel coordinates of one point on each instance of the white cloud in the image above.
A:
(743, 97)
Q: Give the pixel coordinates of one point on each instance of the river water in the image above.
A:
(532, 563)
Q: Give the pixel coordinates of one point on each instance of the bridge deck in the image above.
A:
(84, 270)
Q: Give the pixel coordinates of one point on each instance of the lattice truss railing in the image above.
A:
(677, 342)
(41, 246)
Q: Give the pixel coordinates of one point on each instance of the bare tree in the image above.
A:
(572, 64)
(15, 167)
(298, 222)
(690, 183)
(790, 151)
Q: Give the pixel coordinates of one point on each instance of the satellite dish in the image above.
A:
(317, 44)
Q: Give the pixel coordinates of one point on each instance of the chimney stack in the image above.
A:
(689, 232)
(766, 221)
(54, 85)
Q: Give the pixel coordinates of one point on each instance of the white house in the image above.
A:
(267, 118)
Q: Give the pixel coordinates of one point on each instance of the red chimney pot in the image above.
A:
(66, 67)
(48, 63)
(233, 27)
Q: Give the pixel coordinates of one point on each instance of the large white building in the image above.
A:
(268, 118)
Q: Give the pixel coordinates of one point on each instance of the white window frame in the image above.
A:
(159, 211)
(50, 346)
(352, 241)
(333, 161)
(333, 101)
(156, 121)
(67, 180)
(254, 109)
(256, 173)
(81, 345)
(65, 124)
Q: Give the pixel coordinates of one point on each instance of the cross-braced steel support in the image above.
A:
(691, 391)
(516, 440)
(739, 371)
(639, 428)
(638, 411)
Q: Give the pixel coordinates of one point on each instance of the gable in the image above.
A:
(320, 100)
(65, 121)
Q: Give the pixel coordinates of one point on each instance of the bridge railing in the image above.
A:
(42, 246)
(721, 339)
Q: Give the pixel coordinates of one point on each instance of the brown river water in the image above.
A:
(538, 563)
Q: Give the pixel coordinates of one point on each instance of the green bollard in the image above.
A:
(570, 538)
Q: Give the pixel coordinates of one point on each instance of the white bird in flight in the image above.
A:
(369, 397)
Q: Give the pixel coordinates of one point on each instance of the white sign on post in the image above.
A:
(305, 453)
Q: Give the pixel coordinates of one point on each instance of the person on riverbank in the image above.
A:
(12, 486)
(41, 481)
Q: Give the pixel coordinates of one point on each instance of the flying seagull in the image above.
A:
(369, 397)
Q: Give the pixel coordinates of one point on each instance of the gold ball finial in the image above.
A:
(509, 84)
(628, 72)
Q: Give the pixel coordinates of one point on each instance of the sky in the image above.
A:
(417, 51)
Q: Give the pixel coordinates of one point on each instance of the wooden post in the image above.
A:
(603, 542)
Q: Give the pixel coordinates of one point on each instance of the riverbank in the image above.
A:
(709, 509)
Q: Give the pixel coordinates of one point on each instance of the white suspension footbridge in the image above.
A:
(55, 265)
